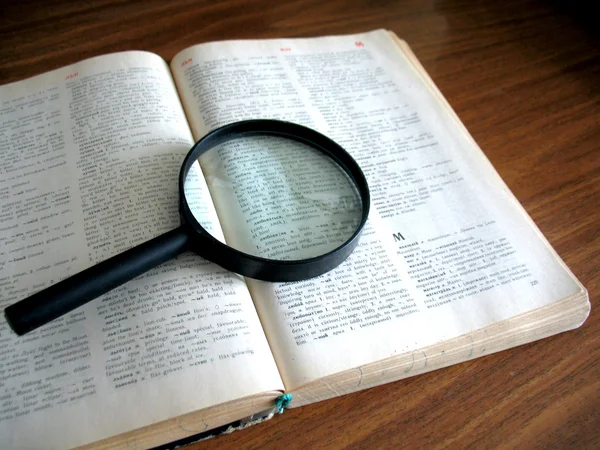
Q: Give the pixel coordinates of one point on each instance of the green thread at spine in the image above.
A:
(282, 402)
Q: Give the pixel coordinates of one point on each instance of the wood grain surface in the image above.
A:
(524, 76)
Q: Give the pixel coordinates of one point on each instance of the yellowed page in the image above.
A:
(91, 155)
(557, 317)
(447, 250)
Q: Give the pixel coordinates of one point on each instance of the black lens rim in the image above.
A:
(203, 243)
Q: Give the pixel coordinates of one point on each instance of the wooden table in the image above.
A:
(524, 76)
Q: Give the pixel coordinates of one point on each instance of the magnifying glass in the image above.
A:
(291, 201)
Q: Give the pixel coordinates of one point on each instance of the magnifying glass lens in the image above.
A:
(277, 198)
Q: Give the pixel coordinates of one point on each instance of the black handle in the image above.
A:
(63, 297)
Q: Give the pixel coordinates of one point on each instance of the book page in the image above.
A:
(447, 249)
(89, 168)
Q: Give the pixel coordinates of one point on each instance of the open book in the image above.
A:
(449, 268)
